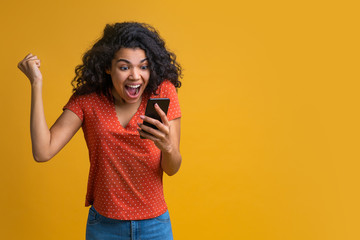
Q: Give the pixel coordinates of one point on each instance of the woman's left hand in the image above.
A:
(161, 136)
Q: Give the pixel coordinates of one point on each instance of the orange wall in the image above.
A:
(270, 127)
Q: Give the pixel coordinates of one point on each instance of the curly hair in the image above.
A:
(91, 76)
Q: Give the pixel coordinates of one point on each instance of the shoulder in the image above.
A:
(166, 89)
(87, 101)
(88, 104)
(167, 84)
(91, 97)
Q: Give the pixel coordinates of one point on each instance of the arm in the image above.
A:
(171, 160)
(46, 143)
(167, 139)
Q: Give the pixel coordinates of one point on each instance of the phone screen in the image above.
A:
(151, 112)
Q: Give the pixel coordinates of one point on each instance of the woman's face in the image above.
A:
(130, 74)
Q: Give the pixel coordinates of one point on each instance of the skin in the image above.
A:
(129, 67)
(46, 143)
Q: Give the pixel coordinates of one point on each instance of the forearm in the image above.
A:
(40, 134)
(171, 161)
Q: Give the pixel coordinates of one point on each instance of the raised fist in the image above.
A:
(30, 67)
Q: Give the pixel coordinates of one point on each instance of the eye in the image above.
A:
(124, 68)
(144, 67)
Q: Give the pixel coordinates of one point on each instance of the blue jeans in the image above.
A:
(102, 228)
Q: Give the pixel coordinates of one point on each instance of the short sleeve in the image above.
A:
(168, 90)
(74, 105)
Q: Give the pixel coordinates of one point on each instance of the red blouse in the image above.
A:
(125, 179)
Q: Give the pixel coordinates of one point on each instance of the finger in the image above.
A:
(20, 65)
(28, 56)
(31, 58)
(146, 135)
(28, 62)
(24, 60)
(162, 115)
(23, 64)
(37, 62)
(31, 62)
(155, 122)
(28, 65)
(156, 133)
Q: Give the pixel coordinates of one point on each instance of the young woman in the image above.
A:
(126, 67)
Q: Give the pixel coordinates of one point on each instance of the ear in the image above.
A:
(107, 71)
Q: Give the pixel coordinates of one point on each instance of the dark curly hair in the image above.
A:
(91, 76)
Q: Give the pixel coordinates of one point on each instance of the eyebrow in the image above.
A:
(127, 61)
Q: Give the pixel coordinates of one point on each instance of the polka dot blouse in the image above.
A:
(125, 178)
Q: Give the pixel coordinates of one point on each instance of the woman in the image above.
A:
(123, 69)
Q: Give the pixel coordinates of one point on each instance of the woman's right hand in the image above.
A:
(30, 67)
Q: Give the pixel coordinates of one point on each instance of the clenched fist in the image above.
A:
(30, 67)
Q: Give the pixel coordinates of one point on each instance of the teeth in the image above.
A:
(133, 86)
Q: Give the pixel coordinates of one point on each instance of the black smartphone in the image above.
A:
(150, 110)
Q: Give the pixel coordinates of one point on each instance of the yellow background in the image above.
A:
(270, 127)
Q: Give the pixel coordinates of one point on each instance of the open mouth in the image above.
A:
(133, 90)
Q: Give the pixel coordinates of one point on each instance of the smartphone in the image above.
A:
(150, 110)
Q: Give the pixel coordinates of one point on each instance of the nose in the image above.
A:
(135, 74)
